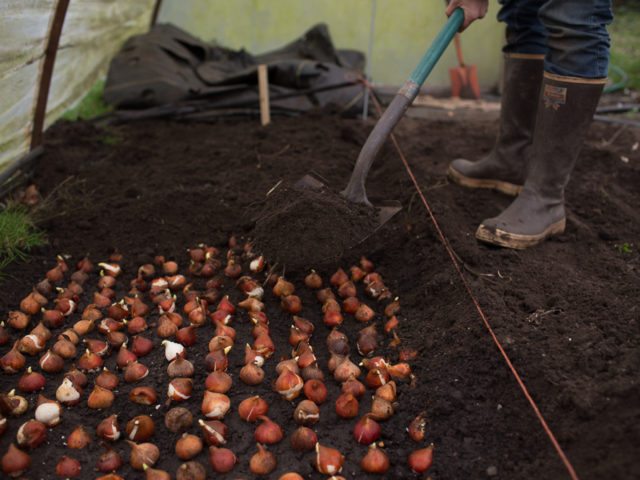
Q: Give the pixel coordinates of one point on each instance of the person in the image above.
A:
(555, 67)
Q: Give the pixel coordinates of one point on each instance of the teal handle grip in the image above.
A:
(437, 48)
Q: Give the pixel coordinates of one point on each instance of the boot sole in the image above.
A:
(507, 188)
(517, 241)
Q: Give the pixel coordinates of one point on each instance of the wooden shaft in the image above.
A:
(263, 89)
(458, 44)
(40, 111)
(155, 13)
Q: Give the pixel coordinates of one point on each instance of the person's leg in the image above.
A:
(575, 73)
(504, 168)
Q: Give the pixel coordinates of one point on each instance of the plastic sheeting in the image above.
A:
(93, 32)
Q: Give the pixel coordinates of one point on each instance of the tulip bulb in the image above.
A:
(109, 461)
(90, 362)
(306, 413)
(107, 379)
(250, 409)
(188, 446)
(375, 461)
(214, 432)
(337, 342)
(31, 434)
(222, 460)
(31, 381)
(268, 432)
(135, 372)
(172, 349)
(347, 406)
(354, 387)
(364, 313)
(51, 362)
(215, 405)
(12, 361)
(18, 320)
(313, 280)
(351, 305)
(79, 438)
(178, 419)
(63, 348)
(108, 428)
(387, 391)
(140, 428)
(263, 462)
(180, 389)
(325, 294)
(141, 346)
(100, 398)
(346, 370)
(420, 460)
(191, 471)
(187, 335)
(417, 427)
(283, 288)
(303, 439)
(180, 367)
(347, 289)
(291, 476)
(68, 467)
(143, 454)
(219, 382)
(125, 357)
(366, 430)
(316, 391)
(381, 409)
(15, 462)
(48, 412)
(154, 473)
(338, 278)
(289, 385)
(328, 460)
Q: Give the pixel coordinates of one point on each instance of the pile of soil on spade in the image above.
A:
(566, 311)
(299, 227)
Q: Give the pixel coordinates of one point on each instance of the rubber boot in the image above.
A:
(504, 168)
(565, 111)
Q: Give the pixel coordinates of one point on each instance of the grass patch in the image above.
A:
(111, 140)
(625, 42)
(18, 234)
(91, 106)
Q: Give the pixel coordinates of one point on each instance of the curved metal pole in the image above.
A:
(355, 190)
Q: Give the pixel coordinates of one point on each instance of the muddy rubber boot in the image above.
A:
(503, 169)
(566, 108)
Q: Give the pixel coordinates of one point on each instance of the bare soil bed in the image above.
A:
(567, 311)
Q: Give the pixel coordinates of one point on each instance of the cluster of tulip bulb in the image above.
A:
(163, 308)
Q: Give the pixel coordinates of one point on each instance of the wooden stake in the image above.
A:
(263, 88)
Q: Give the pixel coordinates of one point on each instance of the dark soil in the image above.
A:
(293, 219)
(567, 311)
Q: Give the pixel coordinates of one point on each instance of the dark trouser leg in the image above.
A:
(578, 48)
